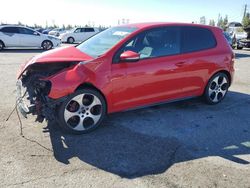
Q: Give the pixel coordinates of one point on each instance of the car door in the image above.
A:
(87, 32)
(158, 75)
(78, 35)
(29, 38)
(11, 36)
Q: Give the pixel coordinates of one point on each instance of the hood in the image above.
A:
(59, 55)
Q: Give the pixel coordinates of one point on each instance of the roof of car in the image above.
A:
(159, 24)
(11, 25)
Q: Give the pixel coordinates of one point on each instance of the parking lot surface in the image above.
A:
(183, 144)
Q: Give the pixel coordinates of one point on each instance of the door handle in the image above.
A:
(180, 64)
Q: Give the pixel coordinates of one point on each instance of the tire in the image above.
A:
(216, 88)
(82, 112)
(47, 45)
(70, 40)
(1, 45)
(239, 47)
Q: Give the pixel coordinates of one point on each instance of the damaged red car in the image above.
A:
(123, 68)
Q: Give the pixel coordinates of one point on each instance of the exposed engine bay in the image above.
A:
(33, 88)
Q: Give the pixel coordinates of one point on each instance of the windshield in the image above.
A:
(102, 42)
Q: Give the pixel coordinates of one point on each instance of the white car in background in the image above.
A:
(238, 35)
(57, 32)
(78, 34)
(20, 36)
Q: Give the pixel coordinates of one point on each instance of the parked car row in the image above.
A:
(21, 36)
(57, 31)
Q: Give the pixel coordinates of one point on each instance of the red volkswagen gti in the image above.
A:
(125, 67)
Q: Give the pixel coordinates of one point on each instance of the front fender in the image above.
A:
(66, 82)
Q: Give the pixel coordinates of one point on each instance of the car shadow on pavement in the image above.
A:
(149, 141)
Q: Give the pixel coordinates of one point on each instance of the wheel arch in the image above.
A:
(3, 43)
(70, 36)
(227, 73)
(88, 85)
(47, 40)
(220, 71)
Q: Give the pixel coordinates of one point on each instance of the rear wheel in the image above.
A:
(71, 40)
(47, 45)
(216, 88)
(82, 112)
(1, 45)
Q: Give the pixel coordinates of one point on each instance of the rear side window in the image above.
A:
(89, 30)
(26, 31)
(10, 30)
(196, 39)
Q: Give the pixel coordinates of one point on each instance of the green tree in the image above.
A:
(19, 23)
(54, 26)
(222, 23)
(212, 22)
(37, 26)
(69, 27)
(246, 20)
(225, 22)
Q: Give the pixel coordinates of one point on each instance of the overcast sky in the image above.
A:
(108, 12)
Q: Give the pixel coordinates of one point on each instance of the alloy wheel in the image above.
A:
(218, 88)
(83, 112)
(47, 45)
(71, 40)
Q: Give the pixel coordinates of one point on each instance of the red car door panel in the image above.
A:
(147, 81)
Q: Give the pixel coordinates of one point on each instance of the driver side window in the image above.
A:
(155, 43)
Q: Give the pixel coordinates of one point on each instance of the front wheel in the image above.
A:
(82, 111)
(47, 45)
(216, 88)
(1, 45)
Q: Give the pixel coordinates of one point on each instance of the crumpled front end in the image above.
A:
(33, 88)
(41, 79)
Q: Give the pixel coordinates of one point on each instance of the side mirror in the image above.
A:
(129, 56)
(36, 33)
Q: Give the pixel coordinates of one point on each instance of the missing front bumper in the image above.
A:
(22, 106)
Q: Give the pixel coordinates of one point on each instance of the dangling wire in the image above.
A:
(21, 124)
(15, 107)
